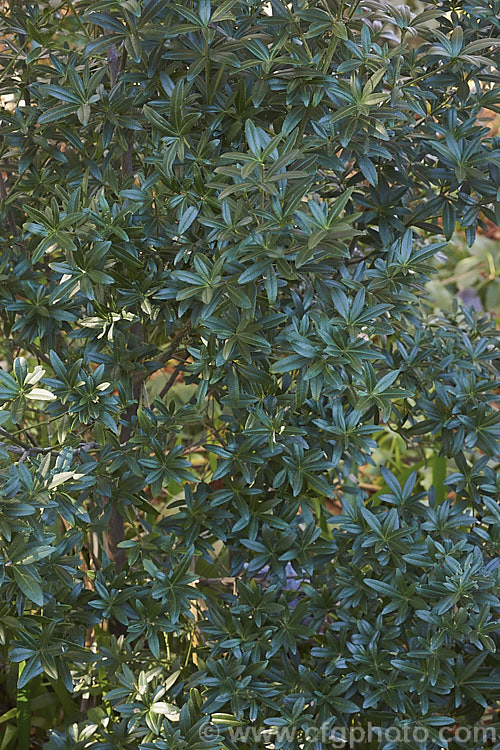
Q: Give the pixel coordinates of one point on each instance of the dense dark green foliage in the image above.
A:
(217, 224)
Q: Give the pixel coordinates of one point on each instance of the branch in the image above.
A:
(10, 214)
(27, 451)
(116, 527)
(165, 356)
(113, 64)
(116, 530)
(226, 581)
(168, 385)
(32, 349)
(12, 437)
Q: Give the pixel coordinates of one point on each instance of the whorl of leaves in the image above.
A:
(217, 224)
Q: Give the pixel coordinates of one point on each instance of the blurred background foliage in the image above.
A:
(471, 274)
